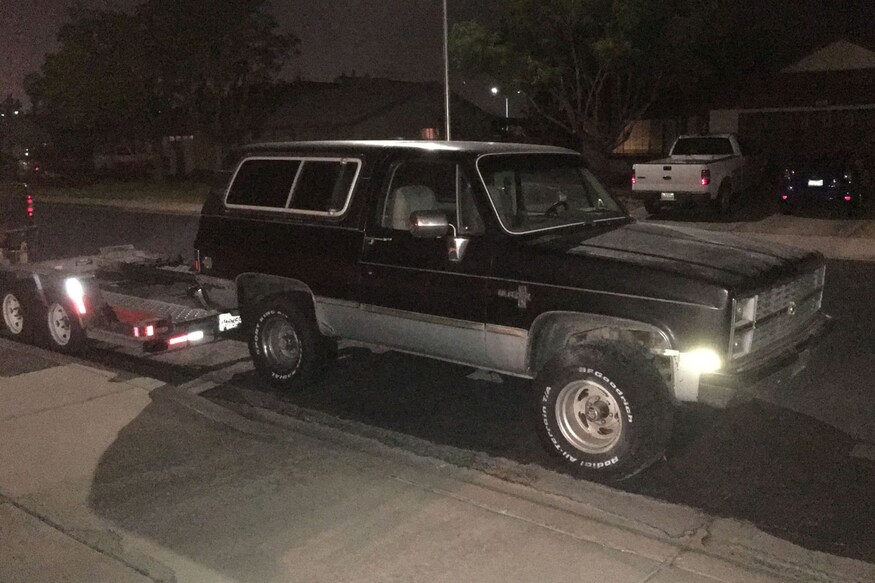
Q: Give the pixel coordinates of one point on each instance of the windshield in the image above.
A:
(702, 147)
(532, 192)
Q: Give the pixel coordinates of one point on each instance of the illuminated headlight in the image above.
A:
(703, 360)
(76, 293)
(745, 311)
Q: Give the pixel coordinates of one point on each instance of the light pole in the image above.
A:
(446, 72)
(494, 91)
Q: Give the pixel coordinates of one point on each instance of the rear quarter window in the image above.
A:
(263, 183)
(296, 185)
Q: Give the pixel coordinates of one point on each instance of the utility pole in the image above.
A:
(446, 72)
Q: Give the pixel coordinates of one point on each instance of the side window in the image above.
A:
(425, 185)
(323, 186)
(307, 186)
(264, 183)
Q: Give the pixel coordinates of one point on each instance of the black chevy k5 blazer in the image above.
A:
(511, 258)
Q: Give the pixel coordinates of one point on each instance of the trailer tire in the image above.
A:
(604, 410)
(18, 310)
(62, 330)
(286, 346)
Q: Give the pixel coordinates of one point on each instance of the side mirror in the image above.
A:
(429, 224)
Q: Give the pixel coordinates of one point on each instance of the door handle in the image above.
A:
(371, 240)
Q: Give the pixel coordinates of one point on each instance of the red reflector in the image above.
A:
(847, 198)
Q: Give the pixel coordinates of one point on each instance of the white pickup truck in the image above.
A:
(706, 170)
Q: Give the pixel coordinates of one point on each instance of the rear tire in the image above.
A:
(722, 205)
(604, 410)
(652, 207)
(18, 314)
(286, 347)
(62, 330)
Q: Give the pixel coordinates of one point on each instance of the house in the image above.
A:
(823, 102)
(373, 108)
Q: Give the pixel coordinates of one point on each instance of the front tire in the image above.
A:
(604, 410)
(286, 347)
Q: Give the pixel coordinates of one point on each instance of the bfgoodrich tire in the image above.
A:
(604, 410)
(286, 347)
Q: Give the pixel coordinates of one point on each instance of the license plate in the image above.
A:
(666, 196)
(815, 182)
(229, 322)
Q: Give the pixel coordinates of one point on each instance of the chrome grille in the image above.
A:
(784, 325)
(781, 312)
(778, 298)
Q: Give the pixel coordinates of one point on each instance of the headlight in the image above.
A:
(703, 360)
(745, 311)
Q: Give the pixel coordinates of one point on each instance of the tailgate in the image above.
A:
(669, 177)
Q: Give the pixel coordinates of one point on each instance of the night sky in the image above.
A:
(400, 39)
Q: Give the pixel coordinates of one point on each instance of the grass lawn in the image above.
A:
(181, 192)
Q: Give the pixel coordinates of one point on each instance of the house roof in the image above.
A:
(346, 102)
(841, 55)
(841, 74)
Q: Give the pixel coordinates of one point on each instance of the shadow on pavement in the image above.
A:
(785, 472)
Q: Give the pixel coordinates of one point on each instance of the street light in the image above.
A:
(494, 91)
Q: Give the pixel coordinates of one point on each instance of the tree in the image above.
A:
(98, 83)
(588, 67)
(215, 60)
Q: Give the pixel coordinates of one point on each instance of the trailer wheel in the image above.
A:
(63, 332)
(286, 347)
(604, 410)
(17, 314)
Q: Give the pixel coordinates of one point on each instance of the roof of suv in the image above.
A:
(420, 145)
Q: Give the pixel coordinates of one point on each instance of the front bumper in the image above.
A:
(775, 366)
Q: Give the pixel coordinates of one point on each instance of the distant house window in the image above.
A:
(316, 186)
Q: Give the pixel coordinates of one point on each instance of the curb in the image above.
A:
(157, 207)
(704, 543)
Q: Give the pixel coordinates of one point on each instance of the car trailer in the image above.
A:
(121, 296)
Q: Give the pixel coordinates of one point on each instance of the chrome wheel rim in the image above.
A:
(12, 316)
(589, 416)
(280, 345)
(59, 324)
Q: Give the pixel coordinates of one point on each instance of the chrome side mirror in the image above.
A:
(429, 224)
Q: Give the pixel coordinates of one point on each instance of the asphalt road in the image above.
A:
(784, 462)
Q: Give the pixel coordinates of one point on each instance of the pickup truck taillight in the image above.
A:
(634, 179)
(706, 177)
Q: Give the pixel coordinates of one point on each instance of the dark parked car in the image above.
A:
(838, 181)
(511, 258)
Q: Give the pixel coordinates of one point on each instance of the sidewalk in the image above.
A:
(112, 478)
(836, 239)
